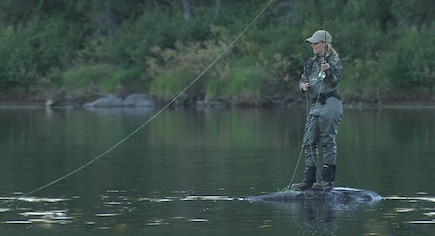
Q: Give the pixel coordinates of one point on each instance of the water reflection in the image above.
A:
(318, 218)
(179, 173)
(308, 217)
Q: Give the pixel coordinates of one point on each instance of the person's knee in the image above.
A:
(329, 153)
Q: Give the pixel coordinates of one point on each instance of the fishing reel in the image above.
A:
(321, 75)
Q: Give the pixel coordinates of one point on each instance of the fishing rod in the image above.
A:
(322, 74)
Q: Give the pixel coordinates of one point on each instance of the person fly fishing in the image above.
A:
(320, 79)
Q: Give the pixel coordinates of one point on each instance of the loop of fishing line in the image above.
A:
(155, 115)
(288, 187)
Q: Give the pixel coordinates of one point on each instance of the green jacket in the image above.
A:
(313, 67)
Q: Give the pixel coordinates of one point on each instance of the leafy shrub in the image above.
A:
(172, 70)
(91, 80)
(408, 67)
(61, 46)
(31, 51)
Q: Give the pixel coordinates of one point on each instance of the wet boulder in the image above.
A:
(134, 100)
(338, 195)
(139, 100)
(109, 101)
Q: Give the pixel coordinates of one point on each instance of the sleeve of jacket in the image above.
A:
(334, 75)
(304, 76)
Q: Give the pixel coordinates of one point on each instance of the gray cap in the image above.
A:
(320, 35)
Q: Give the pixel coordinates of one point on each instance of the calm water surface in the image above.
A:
(179, 173)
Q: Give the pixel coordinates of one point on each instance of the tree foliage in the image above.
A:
(88, 48)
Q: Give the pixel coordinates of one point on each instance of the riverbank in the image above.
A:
(65, 53)
(146, 101)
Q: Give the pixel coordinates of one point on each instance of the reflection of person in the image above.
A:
(314, 214)
(325, 112)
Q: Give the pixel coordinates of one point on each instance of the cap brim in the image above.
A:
(312, 40)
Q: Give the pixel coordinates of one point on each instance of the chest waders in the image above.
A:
(321, 126)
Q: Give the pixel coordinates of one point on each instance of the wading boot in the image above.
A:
(309, 179)
(328, 177)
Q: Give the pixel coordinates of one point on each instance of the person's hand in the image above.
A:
(305, 87)
(325, 66)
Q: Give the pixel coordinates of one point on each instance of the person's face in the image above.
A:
(318, 48)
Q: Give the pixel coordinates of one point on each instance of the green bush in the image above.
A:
(386, 48)
(31, 51)
(172, 70)
(361, 80)
(408, 67)
(245, 84)
(91, 80)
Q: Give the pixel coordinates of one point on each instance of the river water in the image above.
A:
(110, 172)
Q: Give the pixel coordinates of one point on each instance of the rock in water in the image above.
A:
(110, 101)
(338, 195)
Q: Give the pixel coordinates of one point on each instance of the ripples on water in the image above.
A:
(120, 211)
(116, 210)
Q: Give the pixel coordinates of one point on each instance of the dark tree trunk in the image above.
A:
(187, 10)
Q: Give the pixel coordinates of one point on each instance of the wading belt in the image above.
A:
(323, 96)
